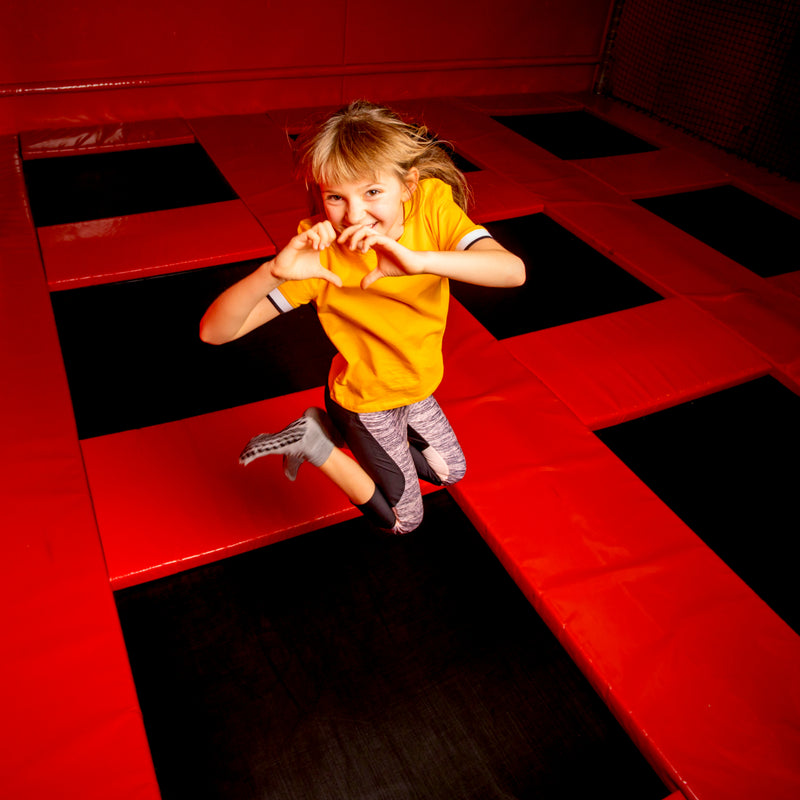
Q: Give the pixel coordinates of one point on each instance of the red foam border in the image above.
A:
(623, 365)
(697, 668)
(71, 717)
(156, 243)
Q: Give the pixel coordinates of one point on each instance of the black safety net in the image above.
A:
(727, 71)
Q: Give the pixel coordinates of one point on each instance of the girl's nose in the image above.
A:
(355, 213)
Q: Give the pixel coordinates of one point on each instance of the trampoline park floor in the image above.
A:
(345, 664)
(605, 601)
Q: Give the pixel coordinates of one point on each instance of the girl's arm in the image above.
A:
(486, 263)
(244, 306)
(241, 308)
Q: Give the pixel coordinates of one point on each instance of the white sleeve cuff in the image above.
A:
(472, 237)
(279, 301)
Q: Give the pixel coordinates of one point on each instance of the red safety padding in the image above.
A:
(496, 197)
(155, 243)
(674, 263)
(778, 191)
(768, 320)
(700, 672)
(697, 668)
(658, 172)
(158, 516)
(173, 496)
(254, 154)
(650, 614)
(637, 361)
(104, 138)
(437, 78)
(452, 120)
(666, 258)
(294, 119)
(492, 146)
(563, 514)
(538, 103)
(513, 29)
(789, 282)
(554, 180)
(71, 722)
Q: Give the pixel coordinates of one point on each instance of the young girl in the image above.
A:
(391, 230)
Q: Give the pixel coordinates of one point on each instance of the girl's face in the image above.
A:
(376, 201)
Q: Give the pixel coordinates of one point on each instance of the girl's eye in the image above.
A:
(332, 198)
(373, 192)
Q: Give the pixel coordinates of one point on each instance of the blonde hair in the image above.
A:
(363, 139)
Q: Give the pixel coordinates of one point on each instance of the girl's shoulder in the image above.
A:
(433, 196)
(434, 189)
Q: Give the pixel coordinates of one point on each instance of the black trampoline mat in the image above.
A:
(575, 134)
(755, 234)
(99, 185)
(727, 464)
(344, 664)
(568, 280)
(134, 358)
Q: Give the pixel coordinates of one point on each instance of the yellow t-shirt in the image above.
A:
(388, 337)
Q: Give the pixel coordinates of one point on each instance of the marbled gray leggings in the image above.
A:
(396, 448)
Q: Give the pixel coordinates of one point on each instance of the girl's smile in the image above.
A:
(376, 202)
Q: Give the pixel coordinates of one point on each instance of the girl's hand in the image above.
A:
(394, 260)
(299, 260)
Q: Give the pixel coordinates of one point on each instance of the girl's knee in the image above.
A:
(452, 471)
(457, 472)
(447, 471)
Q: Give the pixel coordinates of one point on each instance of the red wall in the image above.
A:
(68, 62)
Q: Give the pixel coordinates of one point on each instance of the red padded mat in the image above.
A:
(701, 673)
(145, 245)
(70, 710)
(636, 361)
